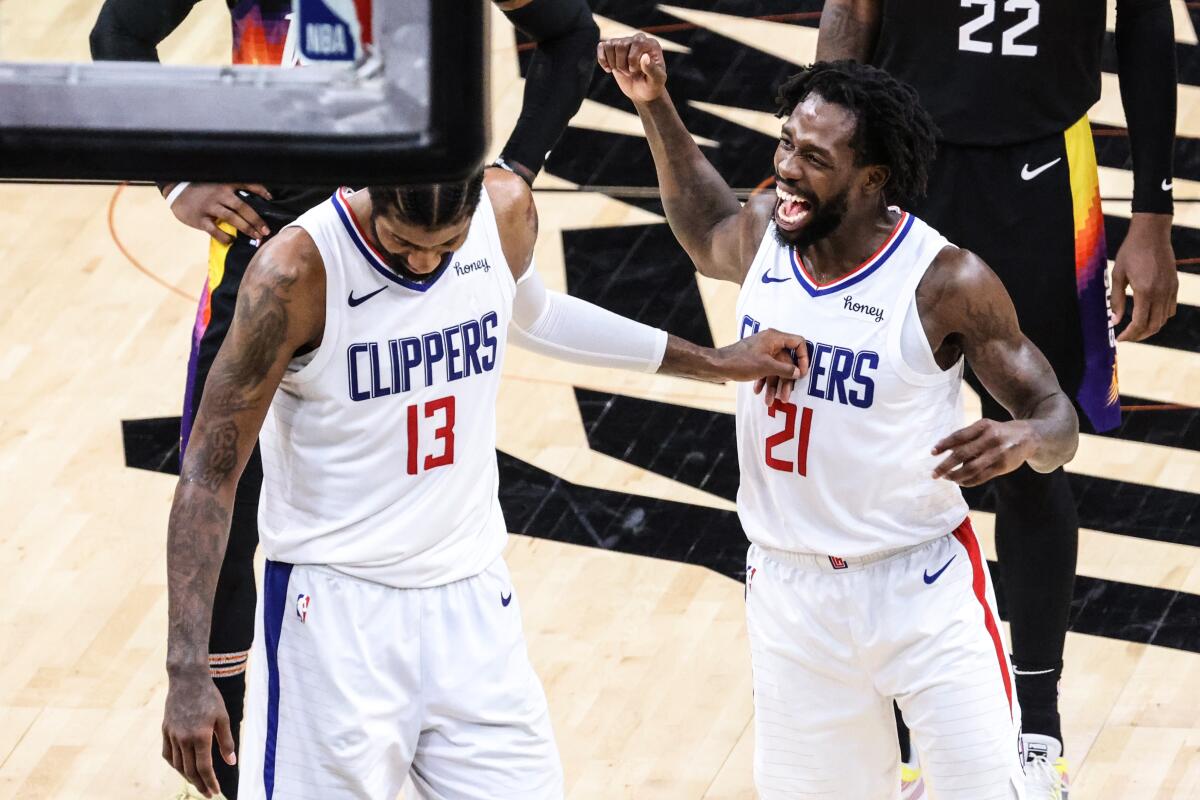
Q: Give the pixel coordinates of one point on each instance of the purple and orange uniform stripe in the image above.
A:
(1098, 393)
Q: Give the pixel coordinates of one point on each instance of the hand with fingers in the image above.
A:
(774, 360)
(1146, 264)
(774, 387)
(196, 713)
(983, 450)
(638, 65)
(204, 206)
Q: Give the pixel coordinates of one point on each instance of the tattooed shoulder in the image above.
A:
(961, 295)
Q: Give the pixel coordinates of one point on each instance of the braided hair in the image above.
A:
(432, 205)
(892, 128)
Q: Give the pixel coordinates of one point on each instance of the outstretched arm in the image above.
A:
(570, 329)
(965, 308)
(849, 29)
(718, 233)
(280, 308)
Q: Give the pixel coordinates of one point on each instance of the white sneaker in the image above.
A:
(1045, 768)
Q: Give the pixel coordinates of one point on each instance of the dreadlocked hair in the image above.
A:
(431, 205)
(891, 128)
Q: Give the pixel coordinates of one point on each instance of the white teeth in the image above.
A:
(790, 218)
(787, 197)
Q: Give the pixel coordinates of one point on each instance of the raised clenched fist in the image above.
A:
(638, 65)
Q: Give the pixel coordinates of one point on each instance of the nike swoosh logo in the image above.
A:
(358, 301)
(1028, 174)
(505, 600)
(931, 578)
(1166, 187)
(766, 278)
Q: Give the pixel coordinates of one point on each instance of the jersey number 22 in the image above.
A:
(1008, 40)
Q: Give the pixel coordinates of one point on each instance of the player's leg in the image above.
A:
(821, 730)
(333, 703)
(233, 603)
(937, 647)
(486, 731)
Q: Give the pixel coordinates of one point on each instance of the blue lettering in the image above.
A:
(399, 379)
(817, 368)
(435, 351)
(750, 324)
(352, 353)
(453, 353)
(867, 361)
(839, 371)
(471, 341)
(377, 390)
(410, 357)
(489, 338)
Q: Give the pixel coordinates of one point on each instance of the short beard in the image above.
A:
(825, 220)
(399, 264)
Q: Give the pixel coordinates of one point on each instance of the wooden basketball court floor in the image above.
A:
(645, 660)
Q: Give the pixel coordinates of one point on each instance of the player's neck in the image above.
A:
(849, 245)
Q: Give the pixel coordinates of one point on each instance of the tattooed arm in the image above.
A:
(965, 310)
(718, 233)
(280, 308)
(849, 29)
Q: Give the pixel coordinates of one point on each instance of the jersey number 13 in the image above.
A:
(1008, 39)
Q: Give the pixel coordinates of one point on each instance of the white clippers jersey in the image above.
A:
(378, 451)
(844, 468)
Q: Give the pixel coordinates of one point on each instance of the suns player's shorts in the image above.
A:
(354, 685)
(834, 641)
(1032, 212)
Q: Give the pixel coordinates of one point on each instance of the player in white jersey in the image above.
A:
(865, 584)
(367, 345)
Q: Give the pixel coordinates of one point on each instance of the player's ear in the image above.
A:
(876, 178)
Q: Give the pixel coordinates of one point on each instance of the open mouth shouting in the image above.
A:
(791, 210)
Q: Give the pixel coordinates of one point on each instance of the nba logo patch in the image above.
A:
(302, 602)
(838, 563)
(750, 573)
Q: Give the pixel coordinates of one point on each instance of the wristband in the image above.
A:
(173, 195)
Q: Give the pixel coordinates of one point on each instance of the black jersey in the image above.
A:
(996, 71)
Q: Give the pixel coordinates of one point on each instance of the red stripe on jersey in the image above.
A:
(966, 537)
(358, 229)
(818, 285)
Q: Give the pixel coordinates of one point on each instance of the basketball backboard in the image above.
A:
(387, 93)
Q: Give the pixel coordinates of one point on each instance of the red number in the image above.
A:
(802, 447)
(786, 435)
(445, 433)
(413, 430)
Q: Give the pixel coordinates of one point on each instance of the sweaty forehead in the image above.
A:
(828, 124)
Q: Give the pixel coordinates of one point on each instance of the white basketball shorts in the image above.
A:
(354, 685)
(834, 641)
